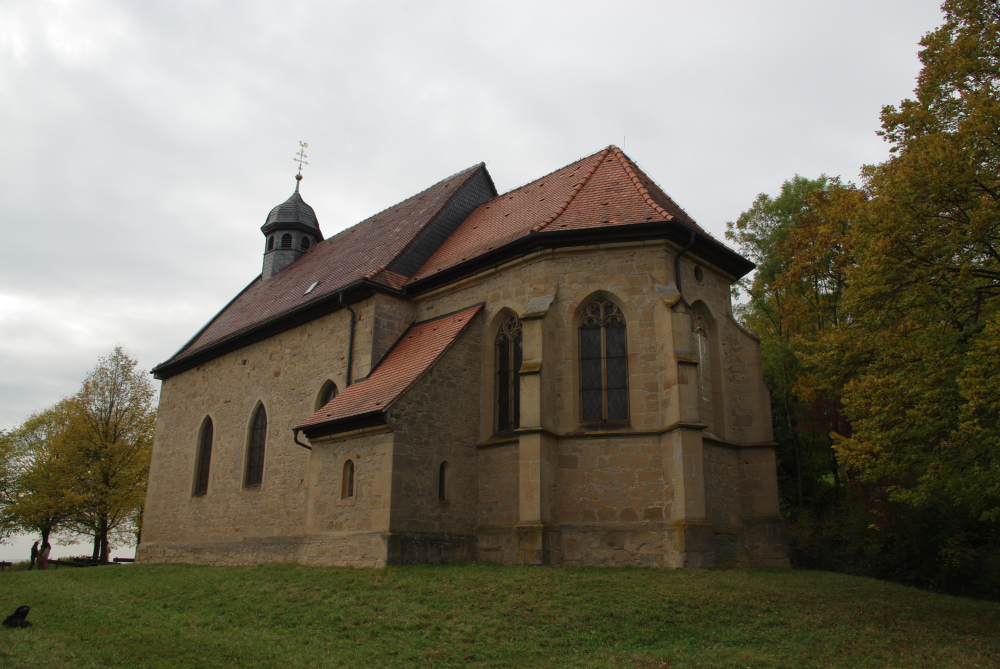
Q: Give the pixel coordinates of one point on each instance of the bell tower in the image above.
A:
(290, 230)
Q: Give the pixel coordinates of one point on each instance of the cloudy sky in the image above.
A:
(143, 143)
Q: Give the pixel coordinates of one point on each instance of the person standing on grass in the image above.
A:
(43, 556)
(34, 555)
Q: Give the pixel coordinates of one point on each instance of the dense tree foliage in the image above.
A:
(81, 466)
(879, 313)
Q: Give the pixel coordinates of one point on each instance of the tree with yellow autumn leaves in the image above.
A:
(80, 467)
(882, 304)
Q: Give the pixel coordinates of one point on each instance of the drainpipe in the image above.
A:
(295, 437)
(350, 338)
(677, 263)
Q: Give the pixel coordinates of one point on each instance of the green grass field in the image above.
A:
(482, 615)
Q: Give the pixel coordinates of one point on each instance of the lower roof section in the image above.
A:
(413, 354)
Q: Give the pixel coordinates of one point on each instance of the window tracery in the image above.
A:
(603, 364)
(508, 383)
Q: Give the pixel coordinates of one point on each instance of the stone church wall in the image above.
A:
(345, 530)
(284, 373)
(609, 496)
(437, 422)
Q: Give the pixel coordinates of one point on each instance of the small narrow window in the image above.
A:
(443, 481)
(286, 241)
(204, 459)
(255, 448)
(603, 364)
(507, 386)
(347, 488)
(270, 243)
(326, 393)
(305, 243)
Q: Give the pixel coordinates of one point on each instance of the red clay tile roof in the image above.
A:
(411, 356)
(601, 190)
(362, 251)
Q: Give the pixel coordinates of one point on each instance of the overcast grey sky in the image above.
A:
(143, 143)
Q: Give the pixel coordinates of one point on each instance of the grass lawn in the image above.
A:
(481, 615)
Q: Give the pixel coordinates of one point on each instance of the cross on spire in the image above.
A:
(301, 160)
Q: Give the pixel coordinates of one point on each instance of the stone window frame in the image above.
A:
(352, 459)
(586, 315)
(252, 434)
(510, 329)
(323, 396)
(706, 337)
(203, 461)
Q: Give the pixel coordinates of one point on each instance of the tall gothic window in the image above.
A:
(255, 449)
(508, 384)
(603, 364)
(204, 459)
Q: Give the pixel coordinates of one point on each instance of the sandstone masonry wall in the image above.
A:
(437, 421)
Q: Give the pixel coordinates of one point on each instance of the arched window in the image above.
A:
(286, 241)
(709, 369)
(270, 243)
(204, 458)
(255, 448)
(326, 393)
(603, 364)
(347, 487)
(508, 384)
(305, 243)
(443, 481)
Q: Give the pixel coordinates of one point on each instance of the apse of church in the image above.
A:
(548, 376)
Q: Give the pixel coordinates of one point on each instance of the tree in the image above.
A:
(109, 441)
(914, 366)
(36, 479)
(81, 466)
(800, 241)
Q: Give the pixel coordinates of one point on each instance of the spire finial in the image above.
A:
(301, 160)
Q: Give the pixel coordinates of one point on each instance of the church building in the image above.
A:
(549, 376)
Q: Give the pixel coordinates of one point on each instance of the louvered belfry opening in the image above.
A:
(286, 241)
(305, 243)
(508, 382)
(255, 449)
(603, 364)
(204, 458)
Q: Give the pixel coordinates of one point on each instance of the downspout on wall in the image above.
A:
(350, 357)
(350, 338)
(677, 265)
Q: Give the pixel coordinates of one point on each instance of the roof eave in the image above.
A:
(348, 424)
(704, 246)
(284, 321)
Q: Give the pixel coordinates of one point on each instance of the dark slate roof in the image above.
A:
(361, 252)
(292, 211)
(411, 356)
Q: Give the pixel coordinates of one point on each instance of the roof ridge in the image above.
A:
(444, 205)
(412, 197)
(643, 191)
(573, 193)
